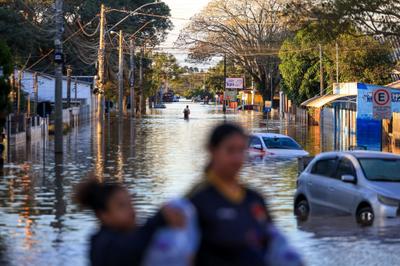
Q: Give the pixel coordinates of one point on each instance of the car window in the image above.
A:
(282, 143)
(255, 142)
(381, 169)
(325, 167)
(345, 167)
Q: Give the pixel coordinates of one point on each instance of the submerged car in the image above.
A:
(361, 183)
(270, 144)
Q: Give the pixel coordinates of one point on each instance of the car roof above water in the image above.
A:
(361, 154)
(269, 135)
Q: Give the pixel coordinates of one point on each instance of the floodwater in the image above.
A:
(159, 157)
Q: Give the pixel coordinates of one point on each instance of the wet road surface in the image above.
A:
(160, 157)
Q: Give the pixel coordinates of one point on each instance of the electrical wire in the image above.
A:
(66, 40)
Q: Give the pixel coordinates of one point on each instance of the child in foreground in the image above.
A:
(119, 241)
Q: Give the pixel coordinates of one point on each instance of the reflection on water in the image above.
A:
(160, 157)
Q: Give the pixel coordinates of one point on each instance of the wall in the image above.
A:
(46, 87)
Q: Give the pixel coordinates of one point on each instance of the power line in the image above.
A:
(66, 40)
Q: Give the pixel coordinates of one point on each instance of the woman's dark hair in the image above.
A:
(222, 132)
(94, 195)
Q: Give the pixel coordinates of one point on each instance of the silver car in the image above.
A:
(364, 184)
(274, 145)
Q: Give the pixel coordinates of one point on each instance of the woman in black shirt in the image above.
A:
(232, 217)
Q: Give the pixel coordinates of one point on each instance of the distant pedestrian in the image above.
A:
(233, 219)
(119, 241)
(186, 112)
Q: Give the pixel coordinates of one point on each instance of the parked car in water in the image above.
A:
(270, 144)
(361, 183)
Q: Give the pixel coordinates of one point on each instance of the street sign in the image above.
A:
(234, 83)
(59, 58)
(382, 103)
(231, 95)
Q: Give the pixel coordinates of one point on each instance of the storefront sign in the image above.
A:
(234, 83)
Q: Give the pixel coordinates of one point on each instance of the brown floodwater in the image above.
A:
(158, 158)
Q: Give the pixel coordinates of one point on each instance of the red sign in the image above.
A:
(382, 103)
(381, 97)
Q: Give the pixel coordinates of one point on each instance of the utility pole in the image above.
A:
(132, 76)
(272, 88)
(19, 86)
(35, 92)
(337, 63)
(141, 80)
(120, 75)
(321, 75)
(224, 106)
(28, 106)
(69, 73)
(58, 122)
(76, 89)
(101, 56)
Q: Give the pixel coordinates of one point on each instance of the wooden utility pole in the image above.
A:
(76, 89)
(28, 105)
(35, 92)
(19, 89)
(132, 76)
(69, 73)
(337, 63)
(224, 106)
(141, 98)
(321, 75)
(101, 56)
(58, 117)
(120, 75)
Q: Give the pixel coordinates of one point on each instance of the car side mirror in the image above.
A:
(258, 147)
(349, 179)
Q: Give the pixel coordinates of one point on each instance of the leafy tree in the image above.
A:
(28, 28)
(371, 17)
(362, 59)
(165, 72)
(249, 32)
(6, 63)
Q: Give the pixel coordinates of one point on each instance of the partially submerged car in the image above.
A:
(361, 183)
(277, 145)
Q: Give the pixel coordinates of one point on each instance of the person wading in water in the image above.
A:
(186, 112)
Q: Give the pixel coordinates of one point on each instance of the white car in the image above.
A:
(361, 183)
(277, 145)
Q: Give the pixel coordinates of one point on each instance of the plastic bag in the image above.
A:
(175, 247)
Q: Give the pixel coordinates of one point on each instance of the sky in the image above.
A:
(183, 9)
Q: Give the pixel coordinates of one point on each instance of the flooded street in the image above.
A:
(160, 157)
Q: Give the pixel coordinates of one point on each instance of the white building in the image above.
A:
(46, 84)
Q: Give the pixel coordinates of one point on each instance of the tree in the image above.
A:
(249, 32)
(28, 28)
(6, 64)
(362, 59)
(371, 17)
(166, 71)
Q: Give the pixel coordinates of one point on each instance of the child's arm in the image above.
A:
(137, 242)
